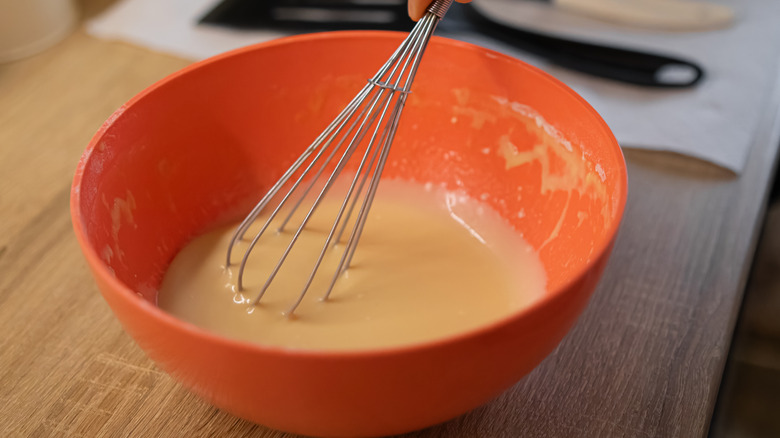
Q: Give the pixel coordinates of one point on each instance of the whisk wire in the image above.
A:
(415, 36)
(388, 136)
(323, 144)
(339, 215)
(355, 199)
(368, 112)
(324, 165)
(319, 143)
(339, 167)
(274, 190)
(357, 230)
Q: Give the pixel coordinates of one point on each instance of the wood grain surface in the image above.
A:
(645, 359)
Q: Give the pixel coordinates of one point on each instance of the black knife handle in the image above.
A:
(629, 66)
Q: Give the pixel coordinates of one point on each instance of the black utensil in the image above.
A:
(615, 63)
(624, 65)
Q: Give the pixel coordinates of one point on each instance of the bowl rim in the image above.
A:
(130, 297)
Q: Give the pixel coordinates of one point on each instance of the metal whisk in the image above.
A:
(368, 123)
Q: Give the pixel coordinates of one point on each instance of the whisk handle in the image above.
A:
(439, 7)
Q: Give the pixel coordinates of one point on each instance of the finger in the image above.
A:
(417, 8)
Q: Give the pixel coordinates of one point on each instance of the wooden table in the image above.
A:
(645, 360)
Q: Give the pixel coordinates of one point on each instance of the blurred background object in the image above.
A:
(678, 15)
(30, 26)
(623, 64)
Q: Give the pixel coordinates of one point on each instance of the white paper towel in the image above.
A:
(713, 121)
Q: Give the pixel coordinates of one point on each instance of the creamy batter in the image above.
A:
(430, 264)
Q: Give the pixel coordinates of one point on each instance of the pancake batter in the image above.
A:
(430, 264)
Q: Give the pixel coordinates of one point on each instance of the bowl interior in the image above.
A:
(199, 148)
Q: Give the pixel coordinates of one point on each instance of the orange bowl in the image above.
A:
(198, 148)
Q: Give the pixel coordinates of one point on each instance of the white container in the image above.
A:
(28, 27)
